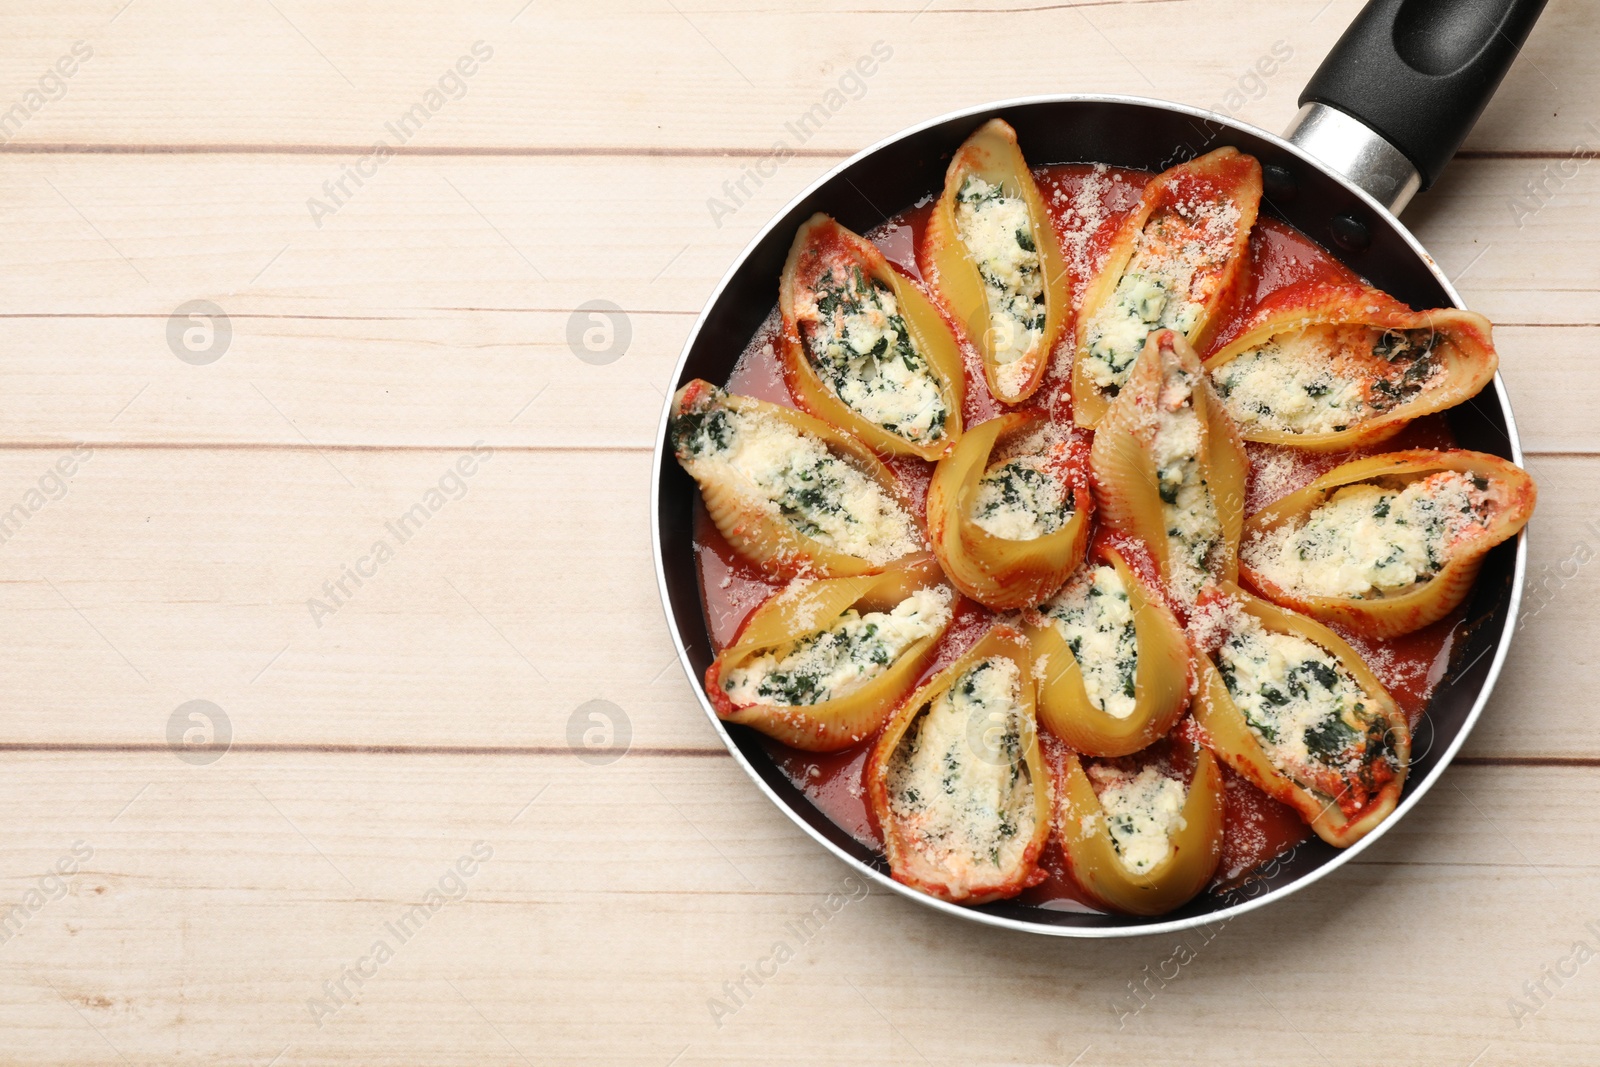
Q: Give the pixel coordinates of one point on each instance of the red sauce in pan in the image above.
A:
(1086, 204)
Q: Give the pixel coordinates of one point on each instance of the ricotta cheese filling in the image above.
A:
(859, 345)
(800, 480)
(1175, 268)
(1310, 716)
(1021, 500)
(1324, 379)
(958, 784)
(1369, 540)
(1193, 527)
(1095, 617)
(998, 234)
(835, 662)
(1142, 812)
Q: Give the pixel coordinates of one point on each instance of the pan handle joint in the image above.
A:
(1358, 152)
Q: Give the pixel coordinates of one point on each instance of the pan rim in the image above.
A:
(1412, 795)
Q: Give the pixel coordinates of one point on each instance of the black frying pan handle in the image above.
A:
(1420, 72)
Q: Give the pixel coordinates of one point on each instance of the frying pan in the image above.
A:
(1378, 122)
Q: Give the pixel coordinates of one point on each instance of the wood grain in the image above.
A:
(616, 905)
(432, 706)
(697, 75)
(172, 574)
(435, 307)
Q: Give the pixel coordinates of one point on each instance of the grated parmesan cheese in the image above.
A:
(857, 341)
(1309, 714)
(1175, 268)
(1088, 209)
(997, 231)
(1367, 540)
(1020, 499)
(1142, 811)
(1193, 528)
(1325, 379)
(958, 785)
(836, 661)
(1095, 617)
(799, 481)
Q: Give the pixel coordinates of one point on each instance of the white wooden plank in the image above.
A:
(325, 76)
(515, 603)
(431, 311)
(169, 575)
(613, 910)
(1552, 665)
(417, 317)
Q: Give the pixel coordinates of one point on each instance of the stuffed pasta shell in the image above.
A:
(1176, 263)
(821, 666)
(1170, 470)
(957, 782)
(1008, 510)
(1290, 705)
(1332, 367)
(864, 349)
(1141, 841)
(1387, 544)
(992, 258)
(788, 492)
(1112, 661)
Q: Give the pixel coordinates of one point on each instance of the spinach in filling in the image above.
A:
(1020, 500)
(862, 350)
(1411, 360)
(1311, 717)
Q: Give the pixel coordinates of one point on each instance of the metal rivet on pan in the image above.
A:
(1280, 183)
(1350, 233)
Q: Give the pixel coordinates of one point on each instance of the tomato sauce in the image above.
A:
(1087, 203)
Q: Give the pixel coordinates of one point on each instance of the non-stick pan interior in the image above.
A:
(1125, 133)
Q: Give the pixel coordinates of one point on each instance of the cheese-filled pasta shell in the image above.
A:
(1178, 262)
(992, 258)
(789, 492)
(1008, 510)
(864, 349)
(1327, 367)
(1170, 470)
(1111, 659)
(1387, 544)
(1144, 844)
(1292, 707)
(821, 666)
(957, 782)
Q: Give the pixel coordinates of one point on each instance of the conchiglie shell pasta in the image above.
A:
(999, 572)
(1196, 845)
(1202, 211)
(1161, 675)
(948, 873)
(1125, 468)
(1225, 732)
(1511, 496)
(753, 524)
(991, 154)
(790, 616)
(1337, 327)
(821, 248)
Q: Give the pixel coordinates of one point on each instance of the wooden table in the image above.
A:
(194, 506)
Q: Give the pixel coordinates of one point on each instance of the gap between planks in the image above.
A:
(529, 151)
(221, 148)
(330, 749)
(659, 752)
(405, 318)
(292, 446)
